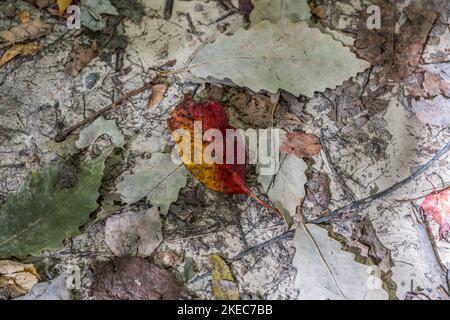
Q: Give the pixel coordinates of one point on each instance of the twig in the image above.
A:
(64, 134)
(288, 235)
(364, 203)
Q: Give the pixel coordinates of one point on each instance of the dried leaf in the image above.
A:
(42, 4)
(31, 30)
(301, 145)
(63, 5)
(430, 80)
(324, 271)
(47, 211)
(159, 179)
(134, 233)
(79, 58)
(134, 278)
(92, 12)
(18, 278)
(437, 206)
(274, 10)
(55, 289)
(299, 59)
(24, 16)
(318, 190)
(20, 49)
(99, 127)
(158, 92)
(434, 112)
(224, 286)
(245, 8)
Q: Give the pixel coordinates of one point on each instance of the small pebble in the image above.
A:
(10, 12)
(91, 79)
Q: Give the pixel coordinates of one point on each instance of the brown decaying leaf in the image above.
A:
(158, 92)
(42, 4)
(132, 278)
(301, 144)
(20, 50)
(31, 30)
(245, 8)
(79, 58)
(318, 189)
(399, 54)
(24, 16)
(16, 278)
(429, 80)
(365, 238)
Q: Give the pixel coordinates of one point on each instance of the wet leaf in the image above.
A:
(134, 278)
(134, 233)
(20, 49)
(158, 179)
(324, 271)
(99, 127)
(224, 286)
(43, 213)
(299, 59)
(301, 144)
(437, 206)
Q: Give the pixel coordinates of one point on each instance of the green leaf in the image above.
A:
(43, 213)
(159, 179)
(286, 55)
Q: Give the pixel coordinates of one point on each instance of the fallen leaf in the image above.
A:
(133, 278)
(190, 268)
(274, 10)
(217, 176)
(48, 212)
(325, 271)
(158, 179)
(399, 54)
(42, 4)
(55, 289)
(437, 206)
(99, 127)
(158, 92)
(245, 8)
(301, 145)
(429, 80)
(31, 30)
(299, 59)
(224, 286)
(63, 5)
(169, 258)
(287, 188)
(133, 10)
(79, 58)
(134, 233)
(92, 12)
(17, 277)
(20, 49)
(24, 16)
(318, 189)
(434, 112)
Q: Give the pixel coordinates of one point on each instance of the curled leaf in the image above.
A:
(20, 50)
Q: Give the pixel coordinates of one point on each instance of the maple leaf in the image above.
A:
(221, 177)
(437, 205)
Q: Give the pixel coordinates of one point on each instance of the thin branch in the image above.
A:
(359, 205)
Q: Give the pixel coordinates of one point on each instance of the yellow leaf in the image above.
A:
(19, 50)
(24, 16)
(223, 283)
(63, 5)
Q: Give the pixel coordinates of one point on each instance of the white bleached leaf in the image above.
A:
(286, 55)
(100, 126)
(324, 271)
(134, 233)
(159, 179)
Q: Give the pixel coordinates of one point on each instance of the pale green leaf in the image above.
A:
(99, 127)
(286, 55)
(159, 179)
(274, 10)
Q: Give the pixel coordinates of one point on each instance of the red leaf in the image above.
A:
(221, 177)
(437, 205)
